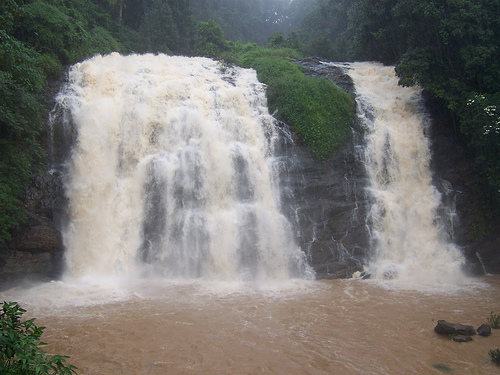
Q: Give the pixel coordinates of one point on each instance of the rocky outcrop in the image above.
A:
(333, 205)
(330, 204)
(329, 211)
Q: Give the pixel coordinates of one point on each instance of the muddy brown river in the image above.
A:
(320, 327)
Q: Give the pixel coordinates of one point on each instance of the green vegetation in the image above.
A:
(495, 355)
(209, 40)
(165, 26)
(252, 20)
(319, 112)
(494, 320)
(36, 39)
(20, 352)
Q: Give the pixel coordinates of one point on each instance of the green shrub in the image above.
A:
(249, 53)
(65, 32)
(495, 355)
(318, 111)
(20, 352)
(494, 320)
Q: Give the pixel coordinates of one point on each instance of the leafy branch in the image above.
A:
(20, 341)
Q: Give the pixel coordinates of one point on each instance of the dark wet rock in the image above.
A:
(484, 330)
(461, 338)
(457, 177)
(36, 250)
(446, 328)
(321, 68)
(328, 209)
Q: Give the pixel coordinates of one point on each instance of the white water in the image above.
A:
(409, 241)
(172, 173)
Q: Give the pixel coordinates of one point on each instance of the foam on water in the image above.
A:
(61, 298)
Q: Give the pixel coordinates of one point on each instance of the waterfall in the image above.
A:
(408, 239)
(172, 172)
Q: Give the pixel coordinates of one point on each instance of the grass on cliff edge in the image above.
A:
(318, 111)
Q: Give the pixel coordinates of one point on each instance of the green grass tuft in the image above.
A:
(318, 111)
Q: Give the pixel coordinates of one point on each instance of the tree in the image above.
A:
(209, 40)
(453, 52)
(20, 124)
(167, 26)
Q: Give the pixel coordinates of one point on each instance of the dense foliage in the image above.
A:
(164, 25)
(20, 118)
(209, 40)
(252, 20)
(20, 341)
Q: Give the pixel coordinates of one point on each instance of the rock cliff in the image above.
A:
(326, 201)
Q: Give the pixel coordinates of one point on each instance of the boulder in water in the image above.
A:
(446, 328)
(484, 330)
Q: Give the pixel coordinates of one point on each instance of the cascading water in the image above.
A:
(409, 242)
(172, 172)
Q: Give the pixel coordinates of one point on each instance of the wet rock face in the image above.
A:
(35, 252)
(330, 212)
(330, 199)
(458, 180)
(333, 205)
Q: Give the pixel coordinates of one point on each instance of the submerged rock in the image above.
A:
(462, 338)
(363, 275)
(446, 328)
